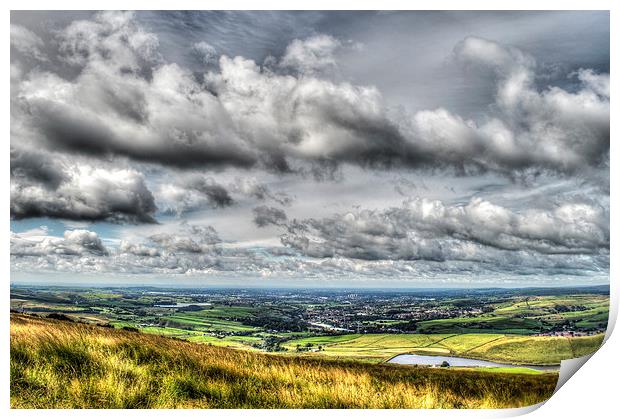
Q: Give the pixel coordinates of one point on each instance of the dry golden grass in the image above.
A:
(58, 364)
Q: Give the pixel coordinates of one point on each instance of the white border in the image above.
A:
(313, 5)
(591, 394)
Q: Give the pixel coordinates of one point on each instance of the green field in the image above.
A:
(487, 324)
(534, 350)
(528, 315)
(63, 364)
(199, 321)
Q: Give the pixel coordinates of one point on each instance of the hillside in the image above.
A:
(59, 364)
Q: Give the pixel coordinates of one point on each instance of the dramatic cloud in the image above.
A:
(81, 252)
(124, 102)
(77, 192)
(424, 229)
(74, 243)
(193, 192)
(138, 249)
(308, 119)
(188, 239)
(253, 188)
(188, 249)
(264, 216)
(190, 192)
(311, 55)
(552, 129)
(128, 101)
(35, 166)
(273, 146)
(112, 38)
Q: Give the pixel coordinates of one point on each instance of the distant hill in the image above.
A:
(62, 364)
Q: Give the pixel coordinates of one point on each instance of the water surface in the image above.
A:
(182, 305)
(454, 361)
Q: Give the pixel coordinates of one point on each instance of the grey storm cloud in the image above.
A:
(73, 243)
(552, 128)
(189, 192)
(128, 101)
(431, 230)
(192, 192)
(251, 187)
(38, 167)
(77, 191)
(188, 239)
(264, 216)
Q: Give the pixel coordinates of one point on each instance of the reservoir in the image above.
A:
(182, 305)
(454, 361)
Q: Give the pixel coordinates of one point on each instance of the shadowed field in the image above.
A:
(59, 364)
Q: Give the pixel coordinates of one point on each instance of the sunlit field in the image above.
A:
(536, 350)
(60, 364)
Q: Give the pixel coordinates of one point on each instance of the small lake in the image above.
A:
(182, 305)
(454, 361)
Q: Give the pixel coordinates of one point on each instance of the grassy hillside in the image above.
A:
(58, 364)
(537, 350)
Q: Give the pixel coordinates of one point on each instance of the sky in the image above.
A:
(310, 149)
